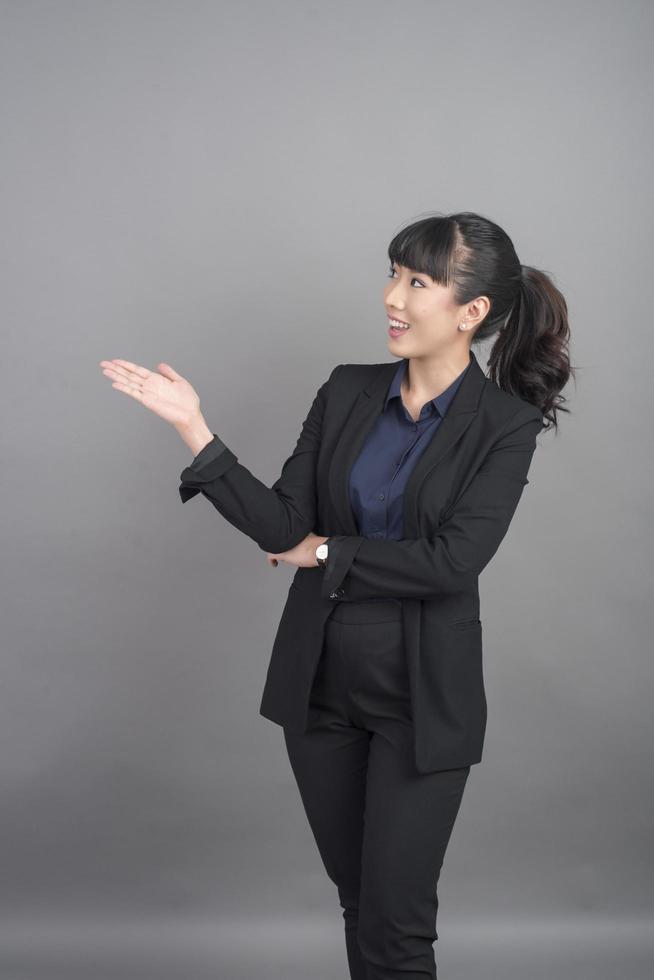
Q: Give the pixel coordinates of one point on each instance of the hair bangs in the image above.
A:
(426, 246)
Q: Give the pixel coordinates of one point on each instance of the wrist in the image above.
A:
(318, 541)
(195, 433)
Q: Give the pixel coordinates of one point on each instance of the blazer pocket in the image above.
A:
(465, 624)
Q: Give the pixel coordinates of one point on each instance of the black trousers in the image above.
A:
(381, 827)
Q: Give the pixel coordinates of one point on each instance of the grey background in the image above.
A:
(215, 185)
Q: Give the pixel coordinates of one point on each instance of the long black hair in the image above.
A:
(527, 312)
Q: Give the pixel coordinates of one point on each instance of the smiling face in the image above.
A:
(430, 310)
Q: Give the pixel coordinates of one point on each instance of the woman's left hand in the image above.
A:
(303, 555)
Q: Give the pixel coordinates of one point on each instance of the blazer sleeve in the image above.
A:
(276, 517)
(210, 453)
(466, 540)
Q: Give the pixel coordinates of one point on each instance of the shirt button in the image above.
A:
(380, 497)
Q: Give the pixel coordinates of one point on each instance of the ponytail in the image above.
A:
(530, 355)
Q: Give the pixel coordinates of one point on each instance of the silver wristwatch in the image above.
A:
(321, 553)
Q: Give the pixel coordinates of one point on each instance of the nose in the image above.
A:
(393, 297)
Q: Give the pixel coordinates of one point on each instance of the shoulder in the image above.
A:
(506, 408)
(356, 372)
(501, 408)
(357, 376)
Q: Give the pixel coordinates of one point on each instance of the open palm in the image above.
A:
(167, 394)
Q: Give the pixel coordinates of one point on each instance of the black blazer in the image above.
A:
(458, 504)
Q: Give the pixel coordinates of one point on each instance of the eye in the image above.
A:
(391, 275)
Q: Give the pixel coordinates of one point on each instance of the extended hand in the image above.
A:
(303, 555)
(168, 394)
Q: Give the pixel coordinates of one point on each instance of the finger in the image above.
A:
(122, 374)
(116, 374)
(128, 389)
(169, 372)
(128, 368)
(130, 381)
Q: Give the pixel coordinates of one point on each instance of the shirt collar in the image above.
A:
(440, 402)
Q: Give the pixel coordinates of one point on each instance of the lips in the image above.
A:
(398, 319)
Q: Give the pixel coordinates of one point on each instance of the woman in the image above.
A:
(402, 484)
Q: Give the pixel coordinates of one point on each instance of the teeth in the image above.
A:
(397, 324)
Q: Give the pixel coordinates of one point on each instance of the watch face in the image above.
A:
(322, 551)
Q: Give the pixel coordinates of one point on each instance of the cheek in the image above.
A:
(434, 314)
(423, 312)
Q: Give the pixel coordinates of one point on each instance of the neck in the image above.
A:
(428, 377)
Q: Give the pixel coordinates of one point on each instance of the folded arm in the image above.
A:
(276, 517)
(449, 560)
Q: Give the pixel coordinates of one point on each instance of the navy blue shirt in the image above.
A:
(382, 468)
(388, 456)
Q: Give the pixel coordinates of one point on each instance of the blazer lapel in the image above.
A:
(364, 414)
